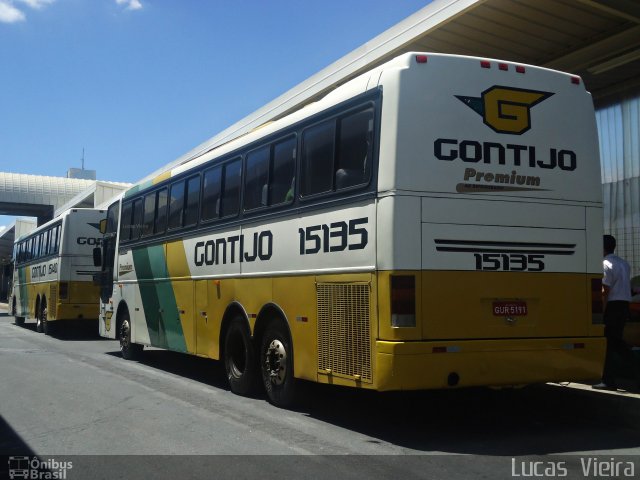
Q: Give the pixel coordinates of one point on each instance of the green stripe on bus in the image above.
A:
(158, 299)
(137, 188)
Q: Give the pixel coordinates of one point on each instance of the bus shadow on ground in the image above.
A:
(11, 443)
(27, 326)
(67, 331)
(535, 420)
(202, 370)
(71, 332)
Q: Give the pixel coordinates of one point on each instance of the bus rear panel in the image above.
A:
(490, 219)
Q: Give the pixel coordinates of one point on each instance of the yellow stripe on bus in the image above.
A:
(182, 287)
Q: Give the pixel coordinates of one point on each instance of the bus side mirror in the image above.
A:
(97, 257)
(103, 226)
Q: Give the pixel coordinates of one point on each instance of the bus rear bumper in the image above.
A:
(76, 311)
(436, 365)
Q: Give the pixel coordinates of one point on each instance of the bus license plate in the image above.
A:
(510, 309)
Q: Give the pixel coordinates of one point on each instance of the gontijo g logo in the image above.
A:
(506, 109)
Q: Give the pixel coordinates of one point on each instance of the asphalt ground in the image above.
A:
(70, 397)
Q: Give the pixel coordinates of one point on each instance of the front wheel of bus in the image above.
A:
(128, 350)
(239, 358)
(276, 359)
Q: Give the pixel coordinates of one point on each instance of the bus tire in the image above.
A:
(128, 350)
(47, 327)
(276, 361)
(39, 322)
(239, 357)
(14, 310)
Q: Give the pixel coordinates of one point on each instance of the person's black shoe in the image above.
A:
(604, 386)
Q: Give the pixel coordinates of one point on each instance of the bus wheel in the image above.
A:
(16, 319)
(47, 327)
(276, 359)
(129, 351)
(39, 320)
(239, 357)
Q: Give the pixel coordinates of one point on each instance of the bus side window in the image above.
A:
(176, 205)
(282, 182)
(161, 215)
(136, 219)
(211, 189)
(45, 245)
(36, 246)
(353, 155)
(317, 158)
(256, 179)
(125, 222)
(149, 214)
(231, 188)
(191, 212)
(53, 244)
(50, 240)
(112, 218)
(58, 235)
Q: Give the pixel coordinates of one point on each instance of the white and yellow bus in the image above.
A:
(434, 223)
(53, 270)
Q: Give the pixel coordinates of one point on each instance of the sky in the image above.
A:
(138, 83)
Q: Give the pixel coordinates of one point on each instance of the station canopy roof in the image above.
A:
(596, 39)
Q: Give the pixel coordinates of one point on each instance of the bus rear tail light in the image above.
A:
(421, 58)
(403, 301)
(63, 290)
(596, 301)
(520, 69)
(575, 80)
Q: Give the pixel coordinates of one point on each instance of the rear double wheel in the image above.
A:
(41, 319)
(276, 360)
(239, 357)
(43, 324)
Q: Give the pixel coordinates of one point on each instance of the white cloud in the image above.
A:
(36, 4)
(131, 4)
(9, 13)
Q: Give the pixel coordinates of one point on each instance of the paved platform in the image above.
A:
(621, 406)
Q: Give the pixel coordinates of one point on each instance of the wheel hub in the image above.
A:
(124, 335)
(276, 362)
